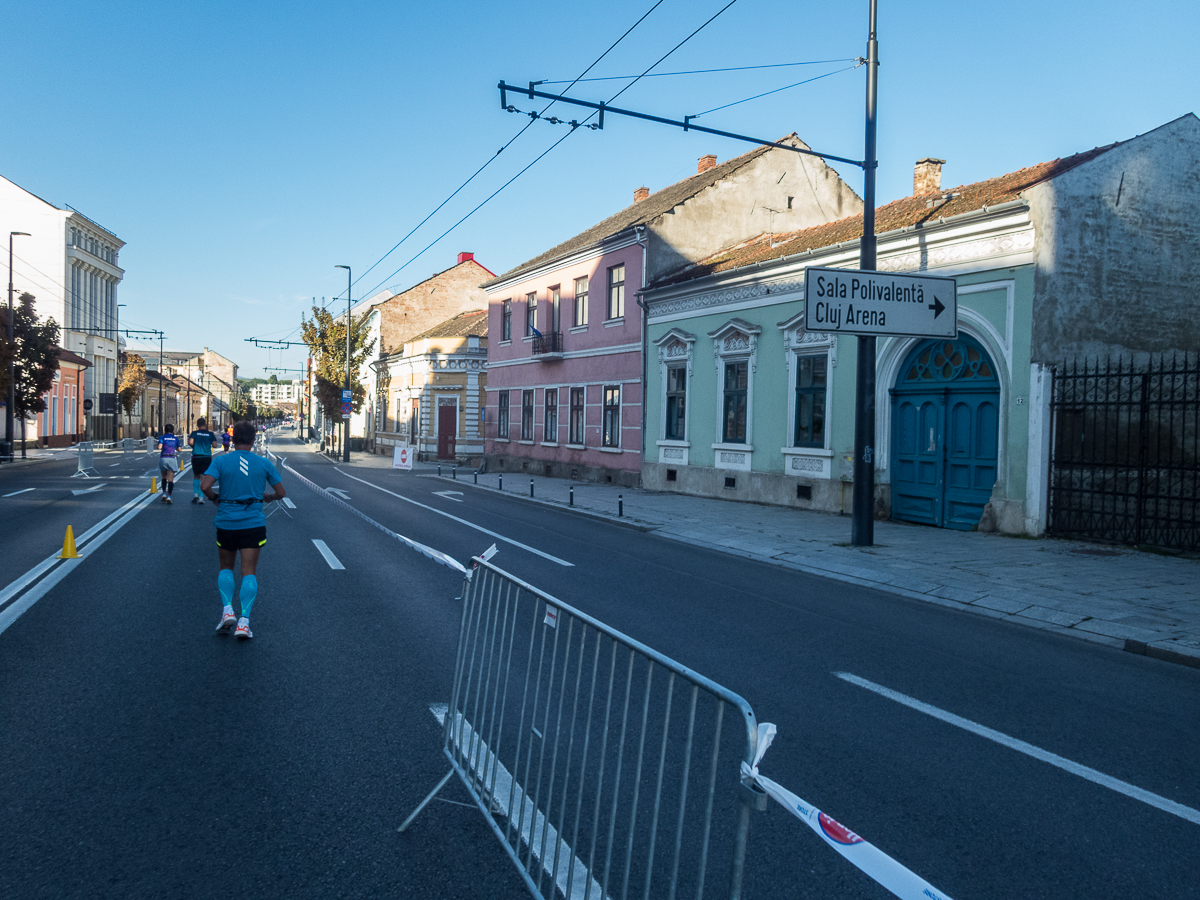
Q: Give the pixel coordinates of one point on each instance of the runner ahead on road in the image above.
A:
(225, 438)
(241, 525)
(168, 462)
(201, 441)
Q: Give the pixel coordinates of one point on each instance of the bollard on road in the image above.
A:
(477, 476)
(439, 471)
(571, 495)
(620, 506)
(501, 481)
(530, 487)
(454, 472)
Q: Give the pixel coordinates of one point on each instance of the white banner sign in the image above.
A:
(852, 301)
(402, 458)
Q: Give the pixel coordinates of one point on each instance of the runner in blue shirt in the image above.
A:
(241, 525)
(168, 461)
(201, 441)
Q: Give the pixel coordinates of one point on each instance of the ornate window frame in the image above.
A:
(807, 462)
(735, 341)
(674, 347)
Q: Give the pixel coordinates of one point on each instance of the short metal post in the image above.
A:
(571, 496)
(620, 506)
(530, 487)
(454, 472)
(439, 471)
(501, 481)
(477, 476)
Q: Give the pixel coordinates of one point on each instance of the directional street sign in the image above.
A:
(851, 301)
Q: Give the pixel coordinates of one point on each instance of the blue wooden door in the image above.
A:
(945, 431)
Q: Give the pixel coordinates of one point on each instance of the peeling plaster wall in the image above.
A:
(1118, 250)
(751, 201)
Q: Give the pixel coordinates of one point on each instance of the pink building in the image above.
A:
(565, 372)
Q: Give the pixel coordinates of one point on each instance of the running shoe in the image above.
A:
(167, 499)
(243, 632)
(195, 499)
(228, 620)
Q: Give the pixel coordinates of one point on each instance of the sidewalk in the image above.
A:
(1133, 600)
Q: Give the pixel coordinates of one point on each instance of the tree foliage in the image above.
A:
(33, 355)
(133, 382)
(326, 340)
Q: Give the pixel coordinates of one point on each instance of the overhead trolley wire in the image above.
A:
(534, 117)
(813, 62)
(777, 90)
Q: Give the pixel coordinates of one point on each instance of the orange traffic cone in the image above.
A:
(68, 550)
(154, 485)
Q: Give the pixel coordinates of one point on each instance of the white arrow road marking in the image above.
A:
(25, 491)
(536, 831)
(449, 495)
(287, 501)
(1085, 772)
(111, 465)
(334, 562)
(89, 490)
(489, 532)
(339, 492)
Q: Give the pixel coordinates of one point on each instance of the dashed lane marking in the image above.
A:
(24, 491)
(334, 562)
(1085, 772)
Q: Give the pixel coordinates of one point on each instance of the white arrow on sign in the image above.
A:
(339, 493)
(88, 491)
(449, 495)
(853, 301)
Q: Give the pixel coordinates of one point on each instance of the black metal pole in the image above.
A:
(862, 523)
(160, 382)
(346, 419)
(12, 363)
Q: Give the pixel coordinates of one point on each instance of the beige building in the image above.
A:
(432, 390)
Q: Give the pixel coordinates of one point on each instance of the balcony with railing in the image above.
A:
(548, 345)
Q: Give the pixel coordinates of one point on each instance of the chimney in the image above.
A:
(640, 194)
(464, 257)
(927, 176)
(706, 163)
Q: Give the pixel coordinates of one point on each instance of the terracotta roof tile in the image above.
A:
(906, 212)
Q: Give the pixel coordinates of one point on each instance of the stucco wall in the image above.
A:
(1118, 250)
(751, 201)
(430, 303)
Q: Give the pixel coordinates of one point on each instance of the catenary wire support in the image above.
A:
(687, 124)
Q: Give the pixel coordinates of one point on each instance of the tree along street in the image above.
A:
(148, 757)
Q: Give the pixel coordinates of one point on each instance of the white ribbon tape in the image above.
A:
(902, 882)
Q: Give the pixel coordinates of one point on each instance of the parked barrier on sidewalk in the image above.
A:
(603, 766)
(86, 468)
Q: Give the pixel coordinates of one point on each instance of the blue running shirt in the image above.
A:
(202, 442)
(243, 477)
(169, 443)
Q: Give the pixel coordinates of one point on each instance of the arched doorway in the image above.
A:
(945, 432)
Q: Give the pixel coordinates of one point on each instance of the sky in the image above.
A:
(243, 150)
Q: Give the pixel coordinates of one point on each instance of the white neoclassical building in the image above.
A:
(70, 264)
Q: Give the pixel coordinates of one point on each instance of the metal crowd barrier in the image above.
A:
(151, 444)
(86, 468)
(605, 768)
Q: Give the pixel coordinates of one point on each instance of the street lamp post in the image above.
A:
(117, 375)
(346, 419)
(12, 363)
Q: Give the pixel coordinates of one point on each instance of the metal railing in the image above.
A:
(86, 461)
(605, 768)
(550, 342)
(1125, 451)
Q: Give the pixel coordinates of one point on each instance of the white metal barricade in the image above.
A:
(86, 468)
(605, 768)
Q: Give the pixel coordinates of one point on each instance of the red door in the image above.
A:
(446, 430)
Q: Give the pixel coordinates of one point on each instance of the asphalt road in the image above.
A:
(143, 756)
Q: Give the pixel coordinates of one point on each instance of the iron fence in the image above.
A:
(605, 768)
(1125, 451)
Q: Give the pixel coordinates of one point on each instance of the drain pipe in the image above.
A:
(639, 235)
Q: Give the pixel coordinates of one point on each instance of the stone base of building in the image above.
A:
(497, 462)
(776, 489)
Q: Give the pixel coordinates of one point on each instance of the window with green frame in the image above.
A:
(676, 403)
(734, 428)
(811, 380)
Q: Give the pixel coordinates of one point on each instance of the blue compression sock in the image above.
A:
(196, 487)
(247, 594)
(225, 586)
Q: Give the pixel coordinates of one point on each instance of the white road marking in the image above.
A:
(536, 832)
(112, 465)
(338, 492)
(25, 491)
(287, 501)
(11, 613)
(334, 562)
(449, 495)
(1085, 772)
(90, 490)
(489, 532)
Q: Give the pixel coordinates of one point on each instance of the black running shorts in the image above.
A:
(200, 464)
(241, 538)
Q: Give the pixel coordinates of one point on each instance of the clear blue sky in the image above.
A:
(243, 149)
